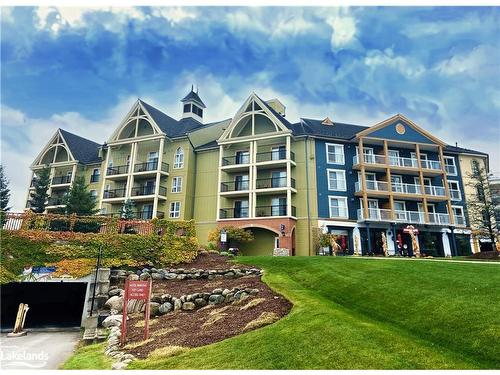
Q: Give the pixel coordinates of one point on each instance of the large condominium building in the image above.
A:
(281, 180)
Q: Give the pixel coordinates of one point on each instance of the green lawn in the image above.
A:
(90, 356)
(366, 314)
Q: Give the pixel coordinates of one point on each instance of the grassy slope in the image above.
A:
(88, 357)
(360, 313)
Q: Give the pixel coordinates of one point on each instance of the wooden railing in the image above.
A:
(14, 221)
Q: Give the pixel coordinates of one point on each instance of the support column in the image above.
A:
(130, 177)
(368, 238)
(389, 181)
(252, 180)
(453, 242)
(73, 174)
(221, 153)
(422, 186)
(104, 175)
(446, 244)
(356, 241)
(288, 178)
(394, 238)
(361, 157)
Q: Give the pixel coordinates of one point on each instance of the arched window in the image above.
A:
(179, 158)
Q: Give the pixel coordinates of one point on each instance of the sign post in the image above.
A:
(223, 239)
(140, 290)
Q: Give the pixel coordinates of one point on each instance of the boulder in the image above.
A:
(253, 292)
(156, 276)
(156, 298)
(115, 292)
(135, 305)
(225, 292)
(217, 291)
(166, 298)
(114, 303)
(216, 299)
(200, 302)
(165, 308)
(144, 276)
(188, 306)
(170, 276)
(133, 277)
(112, 321)
(154, 309)
(177, 304)
(229, 275)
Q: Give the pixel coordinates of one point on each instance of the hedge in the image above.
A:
(171, 243)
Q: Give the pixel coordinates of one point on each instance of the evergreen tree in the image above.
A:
(38, 197)
(4, 195)
(127, 211)
(480, 208)
(79, 199)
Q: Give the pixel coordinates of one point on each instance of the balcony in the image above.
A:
(275, 210)
(235, 160)
(142, 215)
(234, 186)
(117, 171)
(435, 191)
(440, 219)
(369, 159)
(273, 183)
(139, 191)
(406, 188)
(233, 213)
(262, 157)
(55, 201)
(150, 166)
(61, 180)
(431, 164)
(114, 193)
(379, 186)
(398, 162)
(410, 217)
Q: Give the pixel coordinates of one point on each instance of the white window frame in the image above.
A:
(450, 182)
(330, 197)
(330, 188)
(454, 165)
(334, 145)
(175, 213)
(179, 158)
(461, 208)
(176, 184)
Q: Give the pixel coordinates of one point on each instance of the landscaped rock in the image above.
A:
(225, 292)
(166, 298)
(154, 308)
(188, 306)
(115, 292)
(165, 308)
(177, 304)
(216, 299)
(112, 321)
(114, 303)
(133, 277)
(217, 291)
(200, 302)
(170, 276)
(229, 275)
(135, 305)
(156, 276)
(156, 298)
(144, 276)
(253, 292)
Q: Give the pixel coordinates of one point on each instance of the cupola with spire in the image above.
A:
(193, 106)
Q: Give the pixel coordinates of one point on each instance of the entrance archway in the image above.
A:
(263, 243)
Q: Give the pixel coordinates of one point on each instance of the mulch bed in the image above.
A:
(211, 323)
(485, 255)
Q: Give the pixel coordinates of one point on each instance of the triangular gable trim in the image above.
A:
(238, 116)
(400, 117)
(132, 113)
(51, 143)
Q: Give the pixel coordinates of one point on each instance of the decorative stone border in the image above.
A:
(120, 358)
(183, 274)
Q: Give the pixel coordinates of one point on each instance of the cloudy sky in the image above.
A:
(81, 69)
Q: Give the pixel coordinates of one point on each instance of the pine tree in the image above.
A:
(38, 197)
(480, 208)
(4, 195)
(79, 200)
(127, 211)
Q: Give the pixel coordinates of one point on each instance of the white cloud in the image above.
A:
(174, 15)
(472, 63)
(343, 27)
(6, 14)
(386, 58)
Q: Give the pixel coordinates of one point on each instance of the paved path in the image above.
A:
(37, 350)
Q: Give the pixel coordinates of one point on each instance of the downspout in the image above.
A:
(307, 198)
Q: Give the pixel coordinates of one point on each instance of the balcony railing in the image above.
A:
(234, 186)
(55, 201)
(114, 193)
(273, 210)
(370, 159)
(236, 160)
(430, 164)
(150, 166)
(455, 195)
(233, 213)
(273, 182)
(406, 188)
(437, 191)
(273, 156)
(396, 161)
(373, 185)
(143, 215)
(442, 219)
(120, 169)
(460, 221)
(148, 190)
(416, 217)
(59, 180)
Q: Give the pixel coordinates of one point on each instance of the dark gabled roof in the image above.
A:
(316, 128)
(84, 150)
(193, 96)
(170, 126)
(207, 146)
(283, 120)
(461, 150)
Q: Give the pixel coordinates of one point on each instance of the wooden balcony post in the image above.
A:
(363, 178)
(389, 181)
(252, 179)
(104, 174)
(422, 186)
(446, 187)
